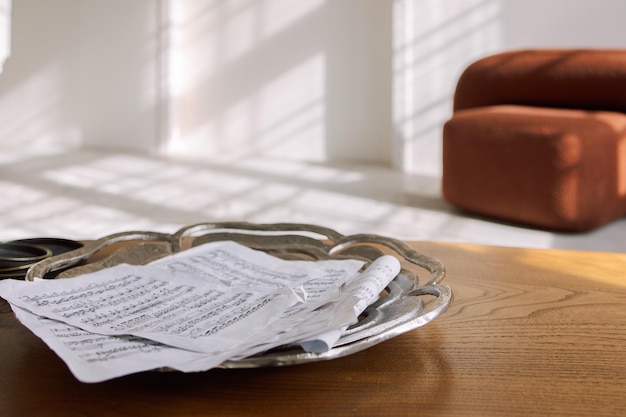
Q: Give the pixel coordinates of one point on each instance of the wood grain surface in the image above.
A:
(530, 333)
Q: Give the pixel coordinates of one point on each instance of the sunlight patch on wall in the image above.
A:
(277, 15)
(239, 85)
(434, 40)
(283, 118)
(205, 37)
(34, 113)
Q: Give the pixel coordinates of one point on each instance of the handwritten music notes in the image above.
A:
(193, 310)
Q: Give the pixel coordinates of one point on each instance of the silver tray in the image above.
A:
(407, 303)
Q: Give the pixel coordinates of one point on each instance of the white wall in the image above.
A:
(306, 79)
(557, 23)
(81, 74)
(36, 103)
(434, 40)
(118, 63)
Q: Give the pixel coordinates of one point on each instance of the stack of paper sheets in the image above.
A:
(193, 310)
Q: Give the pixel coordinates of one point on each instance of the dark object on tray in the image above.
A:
(17, 256)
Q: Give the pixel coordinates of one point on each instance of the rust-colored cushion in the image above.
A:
(589, 79)
(552, 168)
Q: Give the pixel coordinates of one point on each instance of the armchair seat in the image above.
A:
(531, 149)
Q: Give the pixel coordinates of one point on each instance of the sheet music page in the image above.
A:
(94, 357)
(145, 302)
(360, 291)
(221, 299)
(366, 288)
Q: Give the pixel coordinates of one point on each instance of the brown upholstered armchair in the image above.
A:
(538, 137)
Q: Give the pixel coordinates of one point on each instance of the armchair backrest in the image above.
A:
(588, 79)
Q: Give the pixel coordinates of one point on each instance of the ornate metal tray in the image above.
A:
(408, 302)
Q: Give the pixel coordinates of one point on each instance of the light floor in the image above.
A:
(88, 194)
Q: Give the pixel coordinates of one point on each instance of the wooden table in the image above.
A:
(530, 332)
